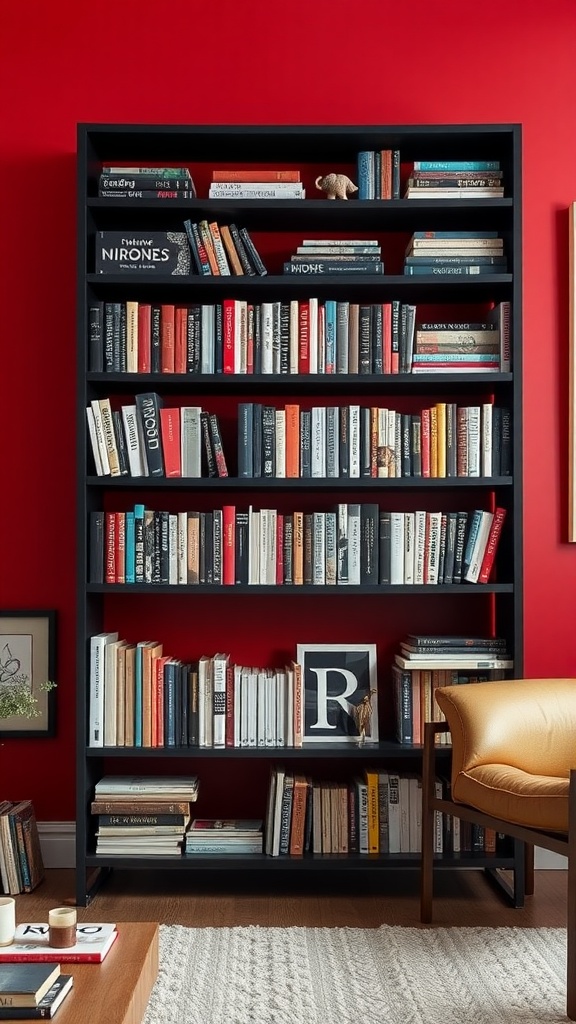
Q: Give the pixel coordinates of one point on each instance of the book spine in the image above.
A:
(148, 406)
(255, 176)
(337, 267)
(147, 193)
(455, 271)
(253, 254)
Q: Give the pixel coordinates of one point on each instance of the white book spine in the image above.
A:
(280, 709)
(252, 708)
(487, 439)
(479, 548)
(267, 336)
(173, 549)
(191, 441)
(220, 663)
(94, 441)
(473, 440)
(253, 546)
(354, 545)
(382, 458)
(396, 548)
(313, 334)
(270, 728)
(97, 682)
(419, 546)
(99, 428)
(318, 442)
(131, 337)
(207, 340)
(342, 541)
(237, 704)
(393, 465)
(182, 533)
(272, 545)
(409, 546)
(293, 349)
(397, 444)
(354, 441)
(134, 444)
(319, 549)
(434, 529)
(280, 434)
(261, 708)
(289, 709)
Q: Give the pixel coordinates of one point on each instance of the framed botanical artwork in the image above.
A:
(27, 663)
(572, 380)
(339, 693)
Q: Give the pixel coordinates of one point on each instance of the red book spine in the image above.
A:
(229, 728)
(304, 338)
(167, 320)
(257, 176)
(279, 549)
(228, 545)
(170, 430)
(387, 337)
(144, 337)
(110, 575)
(180, 332)
(228, 315)
(425, 442)
(492, 545)
(250, 339)
(120, 547)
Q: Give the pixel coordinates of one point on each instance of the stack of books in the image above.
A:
(336, 256)
(146, 183)
(256, 184)
(21, 866)
(455, 179)
(143, 815)
(32, 991)
(31, 945)
(223, 249)
(207, 836)
(455, 253)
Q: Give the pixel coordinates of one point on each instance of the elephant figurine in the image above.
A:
(336, 186)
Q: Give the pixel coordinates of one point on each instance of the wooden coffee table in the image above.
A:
(117, 990)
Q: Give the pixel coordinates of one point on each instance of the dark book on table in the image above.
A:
(151, 252)
(47, 1007)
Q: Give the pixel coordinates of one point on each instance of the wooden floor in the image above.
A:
(462, 897)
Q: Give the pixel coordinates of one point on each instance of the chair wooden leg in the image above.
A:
(427, 856)
(529, 870)
(571, 924)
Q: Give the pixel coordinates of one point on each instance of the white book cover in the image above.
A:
(182, 556)
(409, 546)
(487, 439)
(131, 337)
(318, 442)
(191, 441)
(354, 440)
(289, 708)
(281, 684)
(354, 544)
(294, 336)
(244, 705)
(270, 720)
(102, 446)
(98, 645)
(173, 548)
(220, 666)
(396, 548)
(237, 704)
(94, 441)
(332, 441)
(137, 461)
(393, 812)
(253, 546)
(267, 336)
(313, 334)
(321, 339)
(434, 531)
(280, 434)
(272, 547)
(252, 707)
(261, 707)
(109, 435)
(110, 685)
(474, 440)
(202, 663)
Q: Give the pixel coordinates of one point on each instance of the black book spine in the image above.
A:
(253, 254)
(416, 445)
(96, 562)
(308, 547)
(208, 538)
(269, 440)
(288, 545)
(193, 247)
(157, 548)
(385, 547)
(191, 343)
(155, 340)
(344, 444)
(120, 439)
(193, 705)
(406, 422)
(242, 560)
(217, 544)
(108, 337)
(369, 543)
(96, 337)
(201, 547)
(365, 442)
(164, 547)
(240, 249)
(305, 443)
(148, 407)
(365, 342)
(183, 703)
(378, 339)
(451, 523)
(208, 459)
(217, 447)
(257, 440)
(123, 337)
(461, 526)
(245, 432)
(218, 339)
(284, 337)
(506, 442)
(139, 544)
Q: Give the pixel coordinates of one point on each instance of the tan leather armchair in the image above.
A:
(513, 761)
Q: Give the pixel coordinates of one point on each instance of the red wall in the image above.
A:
(252, 63)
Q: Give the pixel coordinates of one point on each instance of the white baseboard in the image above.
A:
(58, 843)
(58, 839)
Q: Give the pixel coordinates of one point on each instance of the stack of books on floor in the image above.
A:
(207, 836)
(146, 183)
(336, 256)
(455, 179)
(32, 991)
(21, 865)
(256, 184)
(453, 253)
(143, 816)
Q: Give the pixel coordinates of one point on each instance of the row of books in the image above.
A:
(414, 701)
(352, 545)
(378, 174)
(454, 181)
(308, 336)
(145, 439)
(379, 812)
(21, 865)
(339, 256)
(141, 697)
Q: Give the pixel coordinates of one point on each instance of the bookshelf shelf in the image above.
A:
(266, 628)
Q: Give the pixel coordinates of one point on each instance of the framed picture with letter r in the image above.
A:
(339, 692)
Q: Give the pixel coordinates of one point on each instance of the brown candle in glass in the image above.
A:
(62, 927)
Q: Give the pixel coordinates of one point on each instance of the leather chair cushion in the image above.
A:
(537, 801)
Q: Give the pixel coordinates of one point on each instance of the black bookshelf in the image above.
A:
(202, 147)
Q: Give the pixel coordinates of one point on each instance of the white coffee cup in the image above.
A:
(7, 920)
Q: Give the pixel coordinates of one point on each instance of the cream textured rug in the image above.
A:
(383, 975)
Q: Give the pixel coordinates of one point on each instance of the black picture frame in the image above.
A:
(338, 665)
(28, 648)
